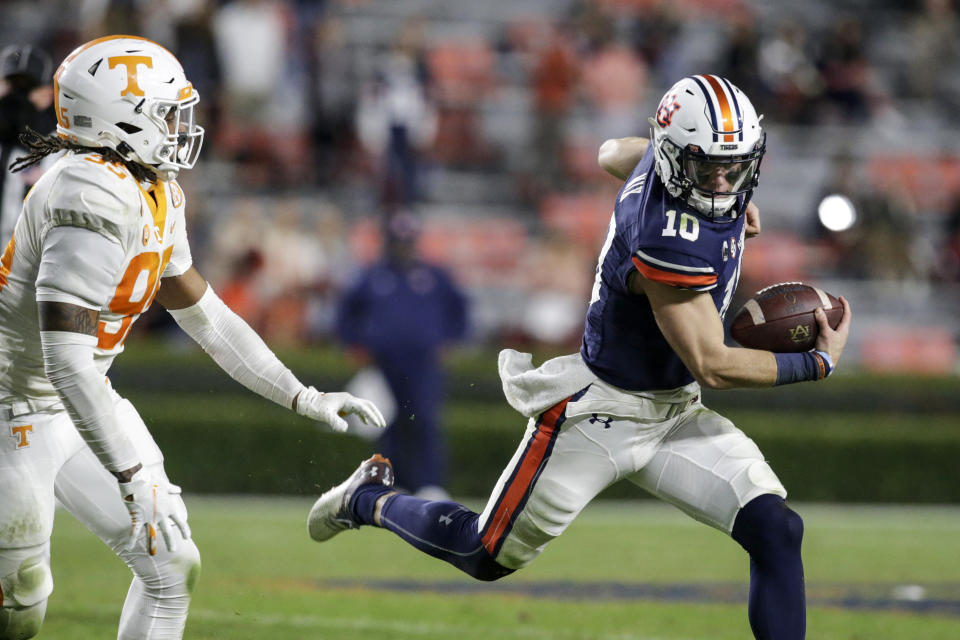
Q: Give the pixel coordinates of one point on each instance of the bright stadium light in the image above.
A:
(837, 212)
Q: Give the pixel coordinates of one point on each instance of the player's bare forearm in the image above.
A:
(690, 323)
(619, 156)
(180, 292)
(62, 316)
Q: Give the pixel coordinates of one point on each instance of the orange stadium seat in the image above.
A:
(462, 72)
(902, 349)
(583, 217)
(932, 182)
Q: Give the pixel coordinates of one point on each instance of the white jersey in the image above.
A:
(86, 191)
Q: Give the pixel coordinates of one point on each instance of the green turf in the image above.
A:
(263, 578)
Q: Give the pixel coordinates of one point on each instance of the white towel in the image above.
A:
(530, 390)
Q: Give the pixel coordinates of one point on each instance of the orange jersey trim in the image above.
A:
(671, 278)
(527, 471)
(6, 261)
(156, 197)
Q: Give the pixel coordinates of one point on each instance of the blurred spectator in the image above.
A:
(251, 73)
(792, 85)
(948, 268)
(334, 100)
(868, 227)
(241, 292)
(557, 297)
(26, 100)
(615, 81)
(846, 72)
(934, 36)
(264, 100)
(554, 81)
(653, 33)
(398, 314)
(292, 259)
(396, 119)
(196, 48)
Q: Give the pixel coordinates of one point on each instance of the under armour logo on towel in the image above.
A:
(604, 421)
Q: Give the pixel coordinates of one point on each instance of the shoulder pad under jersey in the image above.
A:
(95, 194)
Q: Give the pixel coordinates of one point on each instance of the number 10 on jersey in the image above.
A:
(689, 227)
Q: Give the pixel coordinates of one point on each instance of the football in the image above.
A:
(780, 317)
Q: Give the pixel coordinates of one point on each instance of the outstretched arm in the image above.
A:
(247, 359)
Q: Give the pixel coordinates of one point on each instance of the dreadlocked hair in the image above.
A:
(41, 146)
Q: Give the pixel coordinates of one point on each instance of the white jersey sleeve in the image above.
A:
(78, 267)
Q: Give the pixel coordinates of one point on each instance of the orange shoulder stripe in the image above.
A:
(674, 279)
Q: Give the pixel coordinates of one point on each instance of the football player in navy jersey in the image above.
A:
(627, 406)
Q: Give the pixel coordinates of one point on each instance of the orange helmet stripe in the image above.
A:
(727, 122)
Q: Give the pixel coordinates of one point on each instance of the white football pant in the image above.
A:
(42, 457)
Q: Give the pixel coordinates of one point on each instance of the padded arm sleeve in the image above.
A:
(68, 361)
(238, 349)
(77, 267)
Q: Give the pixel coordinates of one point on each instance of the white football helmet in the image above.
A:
(708, 144)
(129, 94)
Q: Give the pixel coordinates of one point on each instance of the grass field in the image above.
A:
(623, 571)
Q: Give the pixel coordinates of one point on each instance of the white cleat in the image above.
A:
(331, 512)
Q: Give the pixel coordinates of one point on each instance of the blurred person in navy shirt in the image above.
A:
(397, 315)
(26, 100)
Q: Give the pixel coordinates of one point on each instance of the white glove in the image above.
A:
(329, 407)
(152, 502)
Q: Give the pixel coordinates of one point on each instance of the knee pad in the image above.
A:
(22, 623)
(178, 571)
(482, 566)
(23, 599)
(30, 584)
(767, 521)
(191, 567)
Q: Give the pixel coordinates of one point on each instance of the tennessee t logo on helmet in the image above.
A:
(131, 63)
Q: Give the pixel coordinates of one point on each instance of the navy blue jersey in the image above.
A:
(667, 241)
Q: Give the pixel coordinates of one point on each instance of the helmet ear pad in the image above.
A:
(667, 162)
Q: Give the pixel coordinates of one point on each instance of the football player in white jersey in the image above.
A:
(100, 236)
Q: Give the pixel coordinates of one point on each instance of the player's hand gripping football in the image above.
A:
(153, 504)
(331, 407)
(832, 341)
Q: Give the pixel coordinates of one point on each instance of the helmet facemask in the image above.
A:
(712, 183)
(182, 140)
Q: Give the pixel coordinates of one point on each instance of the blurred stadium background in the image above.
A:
(503, 105)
